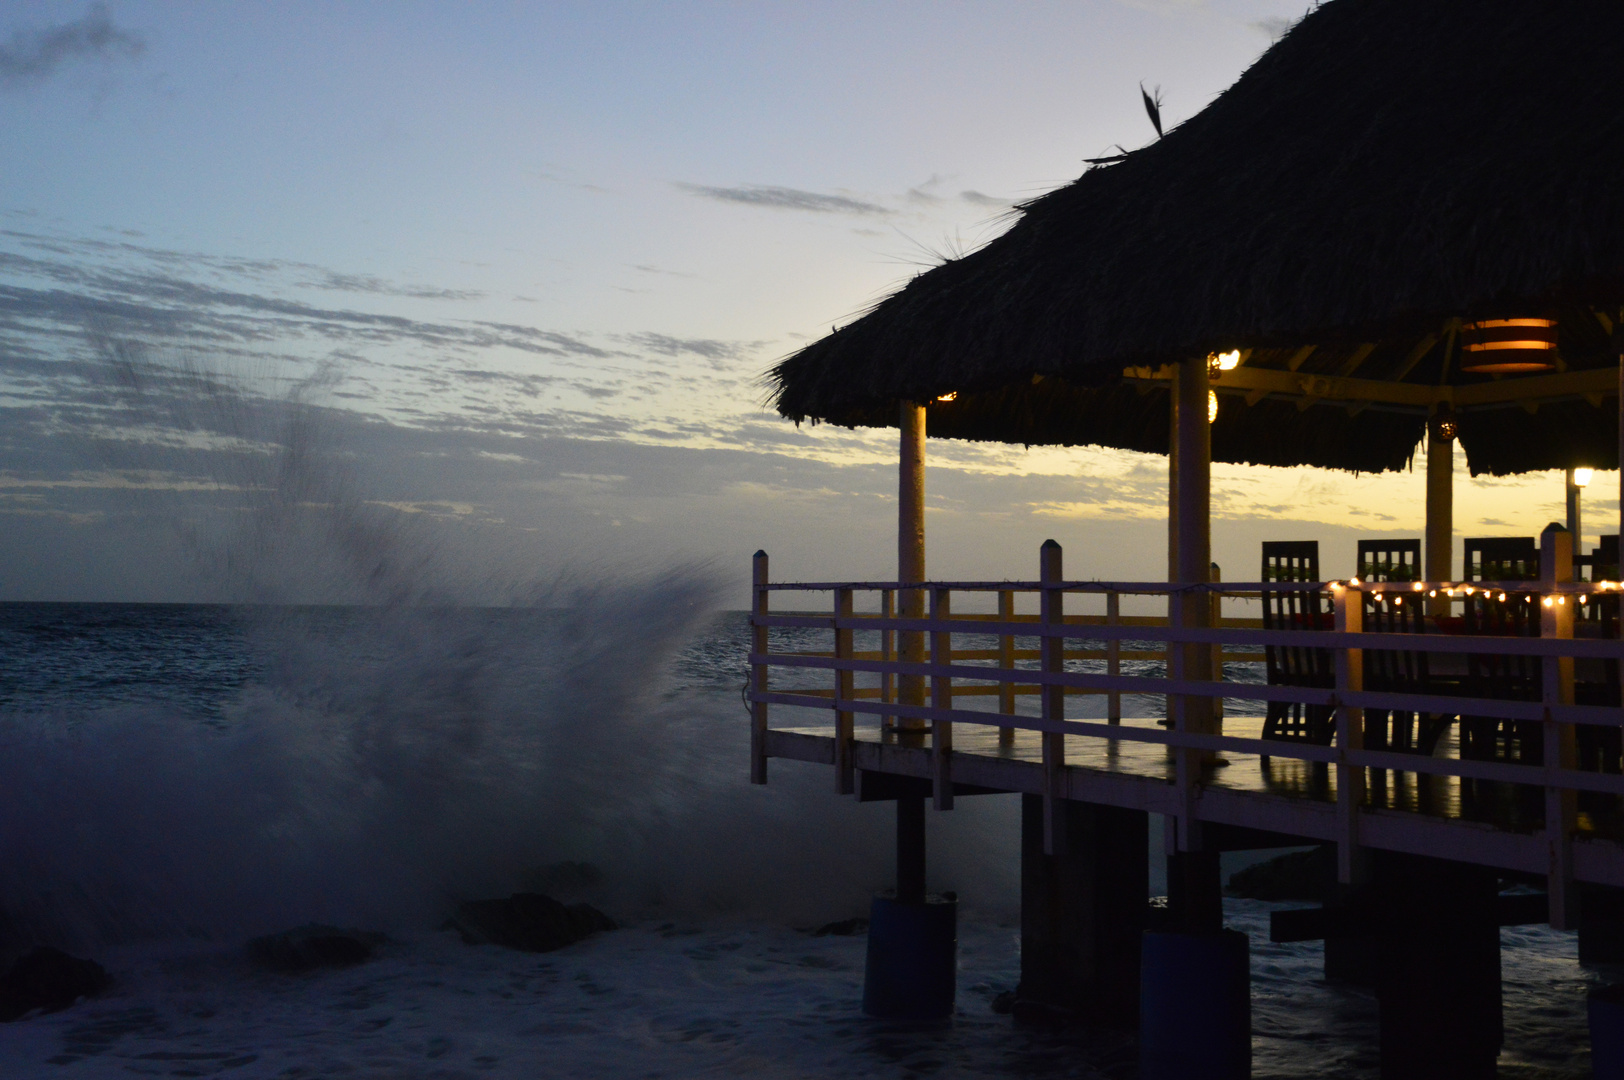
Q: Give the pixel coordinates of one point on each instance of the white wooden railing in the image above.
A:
(921, 676)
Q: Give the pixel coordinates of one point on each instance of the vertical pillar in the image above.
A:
(1051, 651)
(845, 692)
(1440, 542)
(1561, 804)
(1438, 986)
(1083, 910)
(758, 670)
(1576, 524)
(911, 555)
(1173, 479)
(1192, 484)
(911, 643)
(1349, 607)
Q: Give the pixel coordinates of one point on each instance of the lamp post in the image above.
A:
(1577, 479)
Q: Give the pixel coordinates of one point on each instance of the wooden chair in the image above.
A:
(1295, 665)
(1507, 678)
(1389, 560)
(1600, 749)
(1400, 611)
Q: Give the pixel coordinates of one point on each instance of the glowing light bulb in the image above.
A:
(1547, 601)
(1582, 475)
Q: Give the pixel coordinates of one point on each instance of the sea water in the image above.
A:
(175, 779)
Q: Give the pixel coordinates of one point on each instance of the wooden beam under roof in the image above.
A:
(1343, 390)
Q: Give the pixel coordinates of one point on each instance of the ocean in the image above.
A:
(177, 779)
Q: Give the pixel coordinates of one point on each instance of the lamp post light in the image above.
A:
(1577, 479)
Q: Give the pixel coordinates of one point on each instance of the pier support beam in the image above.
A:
(1083, 911)
(1440, 539)
(1438, 983)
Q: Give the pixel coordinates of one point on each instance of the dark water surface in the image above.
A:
(733, 992)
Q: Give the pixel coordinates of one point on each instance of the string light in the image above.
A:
(1353, 581)
(1502, 598)
(1417, 586)
(1584, 598)
(1548, 602)
(1434, 592)
(1398, 599)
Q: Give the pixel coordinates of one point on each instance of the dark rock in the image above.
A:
(50, 980)
(529, 922)
(842, 928)
(1297, 875)
(306, 948)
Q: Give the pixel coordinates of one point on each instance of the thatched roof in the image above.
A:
(1387, 167)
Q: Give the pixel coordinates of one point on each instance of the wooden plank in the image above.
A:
(845, 777)
(941, 697)
(1350, 737)
(758, 669)
(1561, 803)
(1053, 699)
(1007, 655)
(1113, 656)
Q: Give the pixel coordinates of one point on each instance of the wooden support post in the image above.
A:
(1561, 805)
(888, 689)
(1438, 967)
(911, 561)
(911, 849)
(1440, 538)
(845, 684)
(1191, 482)
(941, 697)
(1215, 617)
(758, 670)
(1113, 658)
(1576, 522)
(1006, 661)
(1350, 735)
(1083, 911)
(1052, 650)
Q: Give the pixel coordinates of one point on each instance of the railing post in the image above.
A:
(1113, 658)
(1561, 803)
(941, 698)
(845, 777)
(1350, 735)
(1215, 618)
(758, 668)
(1052, 651)
(887, 654)
(1006, 661)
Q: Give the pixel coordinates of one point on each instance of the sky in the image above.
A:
(506, 279)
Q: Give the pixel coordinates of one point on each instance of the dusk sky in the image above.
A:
(522, 267)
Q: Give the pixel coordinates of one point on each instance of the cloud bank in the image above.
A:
(32, 56)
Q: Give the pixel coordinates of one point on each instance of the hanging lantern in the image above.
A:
(1508, 346)
(1443, 424)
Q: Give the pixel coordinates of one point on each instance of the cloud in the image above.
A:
(1275, 26)
(33, 56)
(783, 198)
(710, 349)
(976, 198)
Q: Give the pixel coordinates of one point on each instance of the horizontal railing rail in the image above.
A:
(1195, 659)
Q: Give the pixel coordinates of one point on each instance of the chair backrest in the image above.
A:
(1389, 560)
(1396, 611)
(1294, 609)
(1502, 558)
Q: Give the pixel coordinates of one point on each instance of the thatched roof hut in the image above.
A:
(1388, 170)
